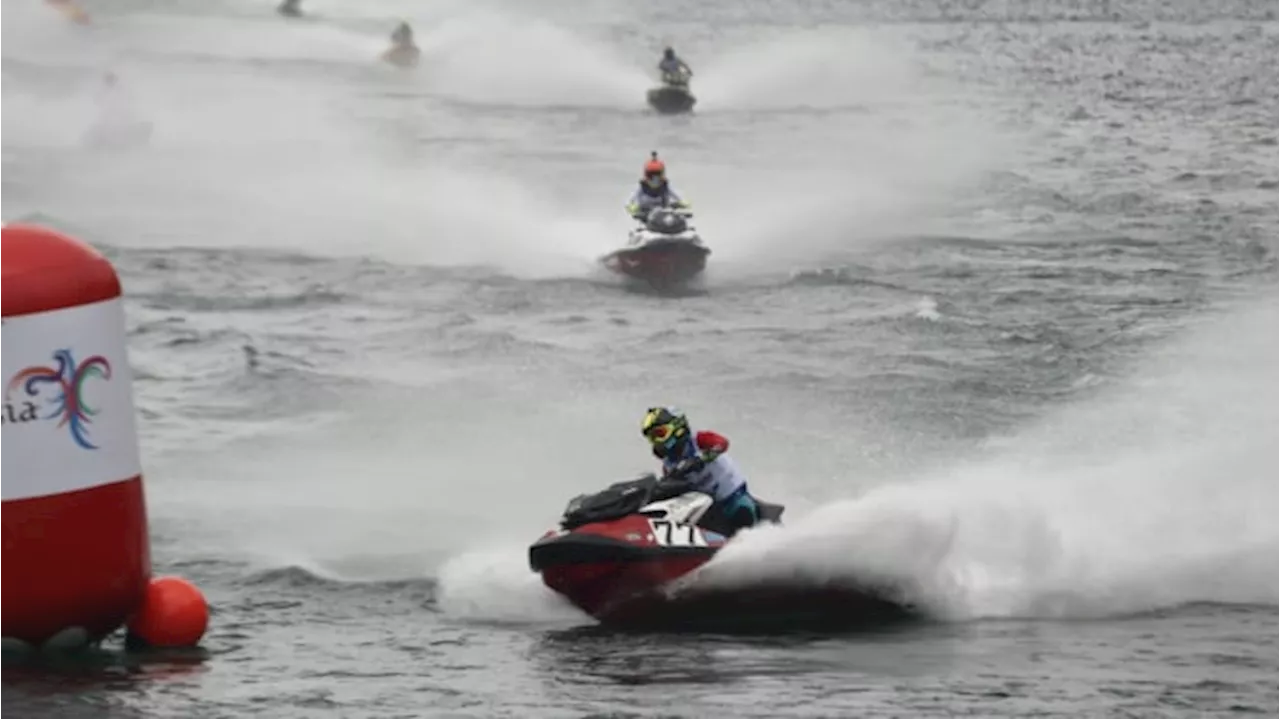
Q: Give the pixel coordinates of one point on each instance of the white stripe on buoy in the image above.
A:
(68, 402)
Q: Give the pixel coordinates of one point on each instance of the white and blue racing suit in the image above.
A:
(674, 67)
(722, 480)
(641, 202)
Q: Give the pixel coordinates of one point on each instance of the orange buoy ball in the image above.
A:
(174, 613)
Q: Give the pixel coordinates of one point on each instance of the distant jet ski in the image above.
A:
(403, 51)
(664, 250)
(673, 95)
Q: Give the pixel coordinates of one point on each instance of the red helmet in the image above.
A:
(655, 172)
(654, 166)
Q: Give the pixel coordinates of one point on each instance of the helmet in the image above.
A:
(654, 166)
(669, 54)
(655, 172)
(667, 429)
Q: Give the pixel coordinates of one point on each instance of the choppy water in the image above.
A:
(991, 308)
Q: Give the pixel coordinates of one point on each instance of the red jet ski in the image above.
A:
(625, 556)
(664, 250)
(617, 549)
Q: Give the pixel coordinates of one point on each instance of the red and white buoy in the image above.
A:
(76, 557)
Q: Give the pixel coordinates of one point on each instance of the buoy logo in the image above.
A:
(62, 388)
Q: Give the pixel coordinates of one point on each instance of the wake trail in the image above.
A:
(1159, 491)
(274, 158)
(854, 143)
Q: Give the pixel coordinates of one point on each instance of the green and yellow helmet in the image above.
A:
(665, 428)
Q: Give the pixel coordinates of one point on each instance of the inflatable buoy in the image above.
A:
(173, 614)
(76, 550)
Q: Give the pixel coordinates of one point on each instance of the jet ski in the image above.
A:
(663, 250)
(628, 554)
(402, 55)
(673, 95)
(616, 550)
(403, 51)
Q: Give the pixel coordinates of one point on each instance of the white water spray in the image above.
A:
(830, 68)
(1160, 492)
(506, 59)
(282, 155)
(910, 144)
(277, 158)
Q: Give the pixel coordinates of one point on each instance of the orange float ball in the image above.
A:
(174, 613)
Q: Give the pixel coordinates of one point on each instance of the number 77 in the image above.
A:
(665, 533)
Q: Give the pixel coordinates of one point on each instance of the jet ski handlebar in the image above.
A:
(643, 215)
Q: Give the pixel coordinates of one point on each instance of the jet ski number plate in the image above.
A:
(670, 534)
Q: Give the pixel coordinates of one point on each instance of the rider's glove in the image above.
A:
(688, 466)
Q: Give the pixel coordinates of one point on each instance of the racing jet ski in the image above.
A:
(616, 549)
(628, 554)
(663, 250)
(673, 95)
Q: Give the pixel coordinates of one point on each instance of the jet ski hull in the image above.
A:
(601, 568)
(402, 56)
(615, 573)
(671, 100)
(617, 547)
(774, 606)
(661, 262)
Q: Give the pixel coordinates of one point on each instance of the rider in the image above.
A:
(402, 36)
(699, 459)
(654, 190)
(673, 67)
(403, 51)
